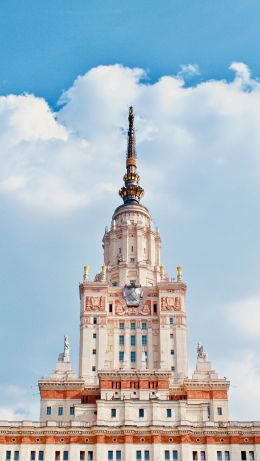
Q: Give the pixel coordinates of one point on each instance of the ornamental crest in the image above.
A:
(169, 303)
(133, 295)
(95, 303)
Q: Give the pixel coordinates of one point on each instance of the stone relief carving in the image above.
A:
(145, 309)
(169, 303)
(95, 303)
(201, 354)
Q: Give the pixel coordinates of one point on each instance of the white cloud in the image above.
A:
(244, 315)
(46, 157)
(244, 393)
(17, 403)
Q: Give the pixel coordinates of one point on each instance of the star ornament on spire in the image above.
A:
(131, 192)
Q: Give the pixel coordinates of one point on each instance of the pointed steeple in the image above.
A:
(131, 192)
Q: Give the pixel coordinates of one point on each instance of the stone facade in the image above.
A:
(133, 398)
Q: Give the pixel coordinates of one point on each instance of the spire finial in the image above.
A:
(131, 192)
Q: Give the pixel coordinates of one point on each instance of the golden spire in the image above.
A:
(179, 273)
(131, 192)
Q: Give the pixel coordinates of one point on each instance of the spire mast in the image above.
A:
(131, 192)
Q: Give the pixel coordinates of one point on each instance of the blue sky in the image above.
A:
(197, 120)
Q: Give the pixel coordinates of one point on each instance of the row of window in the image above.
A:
(133, 324)
(60, 411)
(132, 340)
(116, 454)
(169, 412)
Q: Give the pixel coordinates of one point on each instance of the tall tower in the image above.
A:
(132, 315)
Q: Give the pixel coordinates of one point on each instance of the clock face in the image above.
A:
(133, 295)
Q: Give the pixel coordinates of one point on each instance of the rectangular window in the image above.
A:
(93, 368)
(155, 308)
(57, 455)
(16, 455)
(202, 455)
(132, 325)
(110, 455)
(132, 260)
(90, 456)
(195, 456)
(251, 455)
(171, 335)
(33, 456)
(219, 411)
(113, 412)
(110, 308)
(227, 456)
(219, 455)
(82, 455)
(175, 454)
(144, 340)
(121, 340)
(171, 320)
(138, 454)
(94, 351)
(243, 455)
(169, 412)
(141, 412)
(121, 356)
(132, 340)
(72, 411)
(60, 411)
(121, 326)
(167, 455)
(48, 411)
(94, 320)
(172, 351)
(65, 456)
(118, 454)
(146, 454)
(144, 326)
(132, 357)
(8, 455)
(41, 455)
(94, 335)
(132, 248)
(173, 368)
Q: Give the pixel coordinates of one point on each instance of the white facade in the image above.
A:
(133, 398)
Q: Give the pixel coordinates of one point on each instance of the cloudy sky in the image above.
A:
(68, 73)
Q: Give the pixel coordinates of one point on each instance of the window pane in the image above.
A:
(251, 455)
(90, 456)
(132, 357)
(121, 356)
(8, 455)
(57, 455)
(32, 455)
(121, 340)
(118, 454)
(175, 454)
(82, 455)
(16, 455)
(41, 456)
(133, 326)
(202, 455)
(65, 455)
(169, 412)
(166, 454)
(60, 411)
(243, 455)
(146, 454)
(110, 455)
(219, 455)
(138, 454)
(144, 340)
(195, 456)
(72, 411)
(48, 411)
(132, 340)
(227, 456)
(141, 412)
